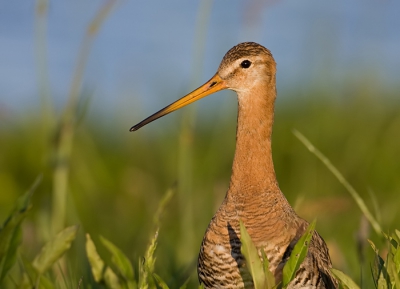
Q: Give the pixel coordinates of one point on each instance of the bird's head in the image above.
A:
(243, 67)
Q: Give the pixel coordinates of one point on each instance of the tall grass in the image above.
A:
(186, 137)
(65, 131)
(112, 186)
(116, 184)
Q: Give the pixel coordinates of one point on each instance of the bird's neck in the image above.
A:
(253, 168)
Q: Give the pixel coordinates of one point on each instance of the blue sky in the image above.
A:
(145, 51)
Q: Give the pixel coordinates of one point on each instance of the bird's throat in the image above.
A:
(253, 168)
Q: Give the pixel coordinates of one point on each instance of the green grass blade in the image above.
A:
(184, 285)
(30, 277)
(376, 268)
(396, 259)
(54, 249)
(66, 129)
(344, 280)
(10, 239)
(253, 261)
(393, 260)
(146, 268)
(381, 276)
(96, 263)
(161, 206)
(373, 246)
(111, 279)
(374, 275)
(146, 265)
(359, 201)
(397, 233)
(392, 272)
(396, 238)
(396, 250)
(10, 232)
(382, 283)
(269, 277)
(375, 205)
(297, 256)
(143, 275)
(122, 263)
(150, 260)
(160, 282)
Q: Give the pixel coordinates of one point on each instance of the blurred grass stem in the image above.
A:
(66, 128)
(185, 170)
(359, 201)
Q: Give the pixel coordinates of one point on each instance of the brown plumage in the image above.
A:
(253, 195)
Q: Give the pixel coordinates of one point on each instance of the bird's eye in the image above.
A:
(245, 63)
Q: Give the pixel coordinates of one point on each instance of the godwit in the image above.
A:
(253, 195)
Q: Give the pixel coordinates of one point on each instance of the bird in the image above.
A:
(253, 196)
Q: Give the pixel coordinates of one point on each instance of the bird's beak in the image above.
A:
(213, 85)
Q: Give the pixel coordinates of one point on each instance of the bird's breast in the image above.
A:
(221, 264)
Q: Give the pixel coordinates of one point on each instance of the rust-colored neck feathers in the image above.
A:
(253, 169)
(249, 69)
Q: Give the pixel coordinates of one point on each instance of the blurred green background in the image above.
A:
(111, 181)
